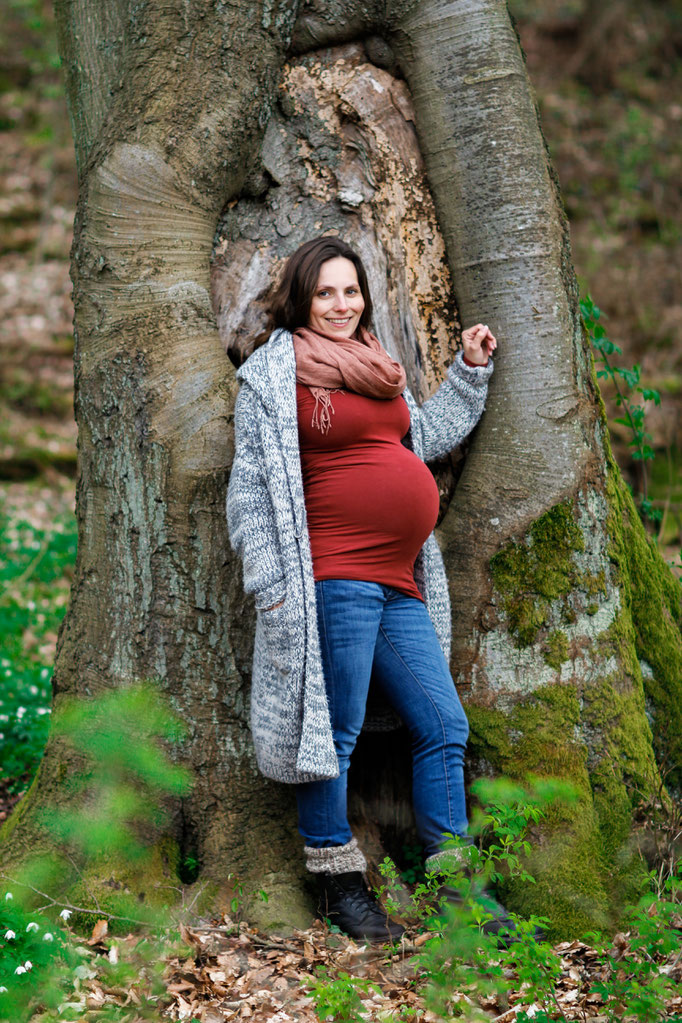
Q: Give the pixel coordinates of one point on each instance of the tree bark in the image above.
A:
(433, 166)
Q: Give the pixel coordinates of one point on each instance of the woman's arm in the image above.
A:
(445, 419)
(250, 514)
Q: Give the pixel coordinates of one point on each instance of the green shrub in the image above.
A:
(35, 571)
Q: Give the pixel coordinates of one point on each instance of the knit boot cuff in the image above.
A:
(335, 859)
(447, 860)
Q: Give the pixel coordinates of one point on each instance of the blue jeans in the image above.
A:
(370, 630)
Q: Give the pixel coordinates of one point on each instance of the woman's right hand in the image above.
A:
(478, 343)
(274, 606)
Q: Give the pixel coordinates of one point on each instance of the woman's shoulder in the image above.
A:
(257, 360)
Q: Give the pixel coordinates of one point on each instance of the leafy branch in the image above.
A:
(634, 413)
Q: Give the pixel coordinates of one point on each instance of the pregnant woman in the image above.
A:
(332, 508)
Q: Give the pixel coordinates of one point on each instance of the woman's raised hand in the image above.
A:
(478, 343)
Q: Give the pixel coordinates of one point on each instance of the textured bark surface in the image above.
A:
(204, 160)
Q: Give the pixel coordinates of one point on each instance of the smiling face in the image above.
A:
(337, 303)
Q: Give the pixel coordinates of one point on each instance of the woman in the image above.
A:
(332, 509)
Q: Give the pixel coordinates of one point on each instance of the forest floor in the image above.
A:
(608, 86)
(219, 972)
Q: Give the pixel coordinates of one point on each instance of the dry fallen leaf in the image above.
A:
(191, 937)
(99, 931)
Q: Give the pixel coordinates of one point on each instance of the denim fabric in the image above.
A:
(370, 630)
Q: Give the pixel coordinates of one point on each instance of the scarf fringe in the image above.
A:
(324, 410)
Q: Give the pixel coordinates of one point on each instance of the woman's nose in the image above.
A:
(341, 303)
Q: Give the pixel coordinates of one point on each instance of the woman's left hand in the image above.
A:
(478, 343)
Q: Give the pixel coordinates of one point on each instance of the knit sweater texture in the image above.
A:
(266, 520)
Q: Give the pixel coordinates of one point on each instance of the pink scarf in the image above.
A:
(326, 364)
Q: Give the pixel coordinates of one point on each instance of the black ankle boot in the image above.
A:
(347, 902)
(501, 925)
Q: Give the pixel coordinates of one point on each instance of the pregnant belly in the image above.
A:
(369, 517)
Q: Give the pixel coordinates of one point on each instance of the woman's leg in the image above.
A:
(410, 666)
(348, 615)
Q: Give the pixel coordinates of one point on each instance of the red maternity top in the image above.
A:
(370, 501)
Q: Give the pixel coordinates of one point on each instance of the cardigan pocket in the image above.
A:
(278, 632)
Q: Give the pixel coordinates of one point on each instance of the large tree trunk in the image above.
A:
(420, 144)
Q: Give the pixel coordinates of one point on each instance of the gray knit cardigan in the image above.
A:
(267, 525)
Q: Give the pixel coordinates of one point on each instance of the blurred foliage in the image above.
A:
(27, 35)
(124, 777)
(33, 396)
(36, 567)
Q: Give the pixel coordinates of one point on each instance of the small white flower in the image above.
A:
(43, 710)
(65, 914)
(9, 935)
(2, 989)
(28, 965)
(8, 896)
(20, 969)
(33, 690)
(33, 926)
(20, 713)
(47, 936)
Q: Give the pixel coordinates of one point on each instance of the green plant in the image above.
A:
(461, 956)
(393, 893)
(413, 857)
(626, 382)
(122, 781)
(634, 984)
(35, 571)
(338, 998)
(242, 894)
(125, 773)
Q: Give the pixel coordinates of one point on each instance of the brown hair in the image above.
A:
(289, 307)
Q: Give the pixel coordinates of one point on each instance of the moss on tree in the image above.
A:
(650, 632)
(530, 575)
(585, 867)
(593, 729)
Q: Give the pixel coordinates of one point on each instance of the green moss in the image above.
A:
(624, 771)
(593, 584)
(584, 868)
(556, 649)
(529, 576)
(594, 733)
(142, 890)
(649, 629)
